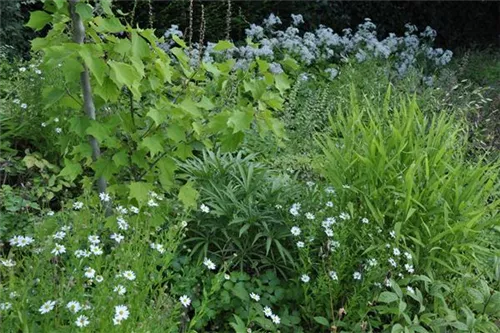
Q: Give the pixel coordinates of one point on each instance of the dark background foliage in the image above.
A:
(460, 24)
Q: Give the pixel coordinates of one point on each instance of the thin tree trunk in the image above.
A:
(88, 100)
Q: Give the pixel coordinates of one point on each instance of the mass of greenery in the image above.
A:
(296, 180)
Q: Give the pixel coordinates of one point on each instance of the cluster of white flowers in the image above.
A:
(209, 264)
(21, 241)
(157, 247)
(322, 46)
(269, 313)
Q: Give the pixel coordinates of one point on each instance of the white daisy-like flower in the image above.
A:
(39, 72)
(275, 319)
(134, 209)
(227, 276)
(56, 120)
(294, 210)
(330, 190)
(310, 183)
(96, 250)
(94, 239)
(5, 306)
(204, 208)
(82, 254)
(300, 244)
(185, 301)
(255, 297)
(409, 268)
(66, 228)
(184, 224)
(120, 290)
(278, 206)
(364, 220)
(89, 272)
(59, 235)
(25, 241)
(99, 278)
(392, 234)
(387, 246)
(122, 224)
(408, 255)
(116, 321)
(43, 124)
(8, 262)
(129, 275)
(74, 306)
(396, 251)
(377, 284)
(16, 101)
(356, 276)
(372, 262)
(310, 216)
(334, 245)
(47, 307)
(117, 237)
(82, 321)
(22, 69)
(410, 290)
(121, 210)
(344, 216)
(152, 203)
(78, 205)
(158, 247)
(305, 278)
(329, 232)
(50, 213)
(209, 264)
(392, 262)
(121, 312)
(295, 231)
(329, 204)
(58, 249)
(333, 275)
(58, 130)
(267, 311)
(104, 197)
(13, 294)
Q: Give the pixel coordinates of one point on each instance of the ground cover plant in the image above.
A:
(297, 181)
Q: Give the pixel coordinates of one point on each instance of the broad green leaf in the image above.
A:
(79, 125)
(205, 103)
(140, 191)
(223, 45)
(140, 48)
(153, 143)
(38, 20)
(282, 82)
(240, 120)
(84, 10)
(190, 107)
(188, 195)
(166, 171)
(164, 70)
(322, 320)
(98, 131)
(108, 91)
(52, 95)
(179, 41)
(104, 167)
(183, 151)
(96, 65)
(240, 291)
(387, 297)
(123, 74)
(176, 133)
(121, 158)
(111, 24)
(231, 142)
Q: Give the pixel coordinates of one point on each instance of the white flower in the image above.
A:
(66, 228)
(297, 19)
(21, 241)
(152, 203)
(134, 209)
(22, 69)
(185, 301)
(121, 312)
(275, 319)
(43, 124)
(157, 247)
(120, 290)
(410, 290)
(329, 204)
(227, 276)
(78, 205)
(295, 231)
(407, 255)
(58, 130)
(209, 264)
(5, 306)
(364, 220)
(278, 206)
(47, 307)
(8, 262)
(344, 216)
(82, 253)
(294, 210)
(16, 101)
(300, 244)
(13, 294)
(122, 224)
(39, 72)
(409, 268)
(184, 224)
(204, 208)
(99, 278)
(333, 275)
(74, 306)
(305, 278)
(396, 251)
(89, 272)
(24, 106)
(310, 183)
(95, 250)
(94, 239)
(329, 232)
(310, 216)
(56, 120)
(104, 197)
(267, 311)
(58, 249)
(393, 234)
(121, 210)
(50, 213)
(82, 321)
(372, 262)
(255, 297)
(117, 237)
(129, 275)
(356, 276)
(59, 235)
(392, 262)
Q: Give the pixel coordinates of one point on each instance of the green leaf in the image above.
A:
(188, 195)
(206, 103)
(121, 158)
(157, 115)
(79, 125)
(179, 41)
(282, 82)
(84, 10)
(96, 65)
(71, 170)
(240, 120)
(52, 95)
(166, 171)
(153, 143)
(240, 291)
(322, 320)
(111, 25)
(190, 107)
(140, 48)
(176, 133)
(125, 74)
(140, 191)
(104, 167)
(38, 20)
(108, 91)
(387, 297)
(397, 328)
(223, 45)
(98, 131)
